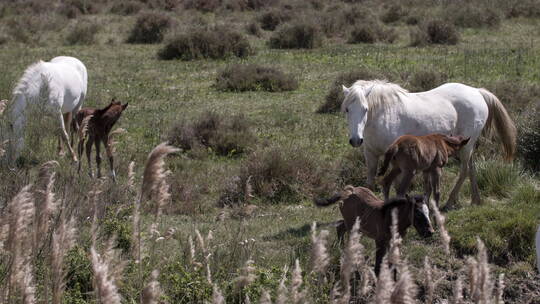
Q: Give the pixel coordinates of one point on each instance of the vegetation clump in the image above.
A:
(529, 141)
(252, 77)
(371, 33)
(223, 135)
(426, 78)
(83, 33)
(297, 35)
(125, 8)
(216, 43)
(150, 27)
(270, 20)
(434, 32)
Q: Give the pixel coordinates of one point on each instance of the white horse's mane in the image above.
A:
(374, 94)
(29, 84)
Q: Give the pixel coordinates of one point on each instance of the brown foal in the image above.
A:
(375, 216)
(409, 154)
(98, 124)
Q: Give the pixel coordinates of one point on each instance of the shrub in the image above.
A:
(434, 32)
(251, 77)
(150, 27)
(78, 276)
(334, 98)
(516, 95)
(496, 177)
(296, 36)
(206, 43)
(125, 8)
(529, 141)
(271, 19)
(352, 169)
(473, 15)
(167, 5)
(224, 135)
(203, 5)
(507, 230)
(254, 29)
(371, 32)
(83, 33)
(426, 78)
(394, 13)
(182, 284)
(285, 174)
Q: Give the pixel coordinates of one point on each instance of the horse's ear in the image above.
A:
(345, 90)
(465, 141)
(124, 106)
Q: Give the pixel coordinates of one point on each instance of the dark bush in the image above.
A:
(434, 32)
(223, 135)
(372, 32)
(284, 174)
(517, 96)
(203, 5)
(394, 13)
(129, 7)
(352, 169)
(74, 8)
(523, 8)
(167, 5)
(83, 33)
(271, 19)
(296, 36)
(426, 78)
(334, 98)
(473, 15)
(251, 77)
(254, 29)
(150, 27)
(529, 141)
(218, 43)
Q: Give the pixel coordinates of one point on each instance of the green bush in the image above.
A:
(473, 15)
(78, 276)
(150, 27)
(507, 230)
(296, 35)
(434, 32)
(426, 78)
(183, 285)
(117, 224)
(251, 77)
(270, 20)
(223, 135)
(371, 33)
(214, 43)
(394, 13)
(496, 177)
(129, 7)
(83, 33)
(529, 141)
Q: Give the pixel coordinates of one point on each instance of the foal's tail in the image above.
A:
(388, 156)
(499, 119)
(325, 202)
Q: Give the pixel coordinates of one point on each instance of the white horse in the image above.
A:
(379, 112)
(58, 87)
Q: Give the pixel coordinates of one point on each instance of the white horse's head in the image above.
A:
(355, 107)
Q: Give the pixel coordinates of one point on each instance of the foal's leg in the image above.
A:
(427, 186)
(387, 181)
(89, 143)
(97, 142)
(65, 137)
(108, 149)
(379, 254)
(436, 184)
(371, 162)
(406, 180)
(475, 193)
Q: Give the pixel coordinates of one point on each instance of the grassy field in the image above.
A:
(313, 146)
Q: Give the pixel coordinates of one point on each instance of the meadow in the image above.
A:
(222, 218)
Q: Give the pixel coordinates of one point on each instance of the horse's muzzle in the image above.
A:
(356, 142)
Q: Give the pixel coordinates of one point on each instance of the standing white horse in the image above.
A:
(58, 87)
(378, 112)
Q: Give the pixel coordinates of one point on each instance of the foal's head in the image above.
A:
(420, 215)
(456, 142)
(111, 113)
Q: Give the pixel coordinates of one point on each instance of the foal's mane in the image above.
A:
(375, 94)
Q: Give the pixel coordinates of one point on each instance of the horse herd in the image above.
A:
(414, 131)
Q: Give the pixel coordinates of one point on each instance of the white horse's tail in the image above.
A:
(499, 119)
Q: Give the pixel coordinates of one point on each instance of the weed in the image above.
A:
(149, 28)
(83, 33)
(250, 77)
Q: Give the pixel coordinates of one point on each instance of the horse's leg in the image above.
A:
(406, 180)
(427, 186)
(387, 181)
(97, 143)
(66, 119)
(371, 162)
(108, 149)
(436, 184)
(464, 156)
(475, 193)
(379, 254)
(80, 150)
(65, 137)
(89, 143)
(341, 228)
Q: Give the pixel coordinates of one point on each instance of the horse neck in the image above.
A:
(404, 217)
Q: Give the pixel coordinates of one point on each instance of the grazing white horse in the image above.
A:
(378, 112)
(58, 87)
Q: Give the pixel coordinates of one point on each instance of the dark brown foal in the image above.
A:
(98, 124)
(376, 216)
(410, 154)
